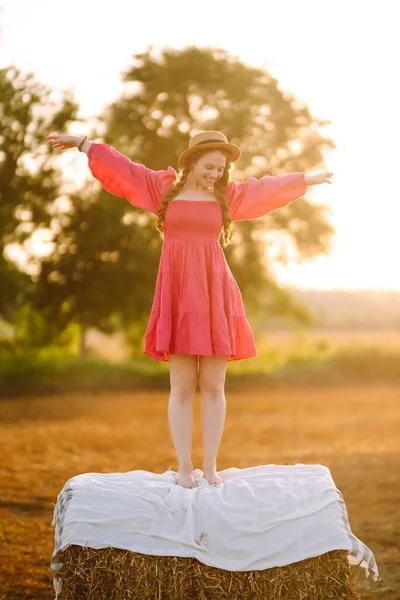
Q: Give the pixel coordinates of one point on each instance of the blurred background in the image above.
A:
(305, 86)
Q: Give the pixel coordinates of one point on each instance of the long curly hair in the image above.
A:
(219, 187)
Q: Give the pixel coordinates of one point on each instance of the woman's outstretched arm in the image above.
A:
(63, 141)
(257, 197)
(141, 186)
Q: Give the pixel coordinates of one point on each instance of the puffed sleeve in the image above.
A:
(141, 186)
(257, 197)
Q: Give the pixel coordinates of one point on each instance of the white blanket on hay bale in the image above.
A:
(258, 518)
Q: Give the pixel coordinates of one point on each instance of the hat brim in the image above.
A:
(232, 148)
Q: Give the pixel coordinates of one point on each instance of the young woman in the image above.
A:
(197, 322)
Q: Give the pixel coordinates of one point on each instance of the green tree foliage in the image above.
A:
(100, 273)
(29, 179)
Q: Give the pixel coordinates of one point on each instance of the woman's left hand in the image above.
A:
(319, 178)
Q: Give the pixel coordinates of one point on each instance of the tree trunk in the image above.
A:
(82, 341)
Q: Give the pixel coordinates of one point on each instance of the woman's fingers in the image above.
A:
(61, 141)
(54, 139)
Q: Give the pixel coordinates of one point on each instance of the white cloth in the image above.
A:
(258, 518)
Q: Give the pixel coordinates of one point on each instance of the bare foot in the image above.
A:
(186, 480)
(212, 476)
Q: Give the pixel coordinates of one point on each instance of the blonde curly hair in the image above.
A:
(219, 187)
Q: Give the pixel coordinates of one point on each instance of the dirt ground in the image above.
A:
(354, 431)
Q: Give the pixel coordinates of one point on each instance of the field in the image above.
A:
(337, 338)
(112, 347)
(353, 430)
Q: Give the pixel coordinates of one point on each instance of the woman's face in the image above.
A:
(209, 168)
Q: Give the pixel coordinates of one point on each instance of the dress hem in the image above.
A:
(165, 359)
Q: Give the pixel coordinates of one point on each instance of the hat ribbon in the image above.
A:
(209, 142)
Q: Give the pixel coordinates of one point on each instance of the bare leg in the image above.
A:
(183, 377)
(213, 411)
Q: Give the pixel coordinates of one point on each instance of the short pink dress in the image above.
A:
(197, 308)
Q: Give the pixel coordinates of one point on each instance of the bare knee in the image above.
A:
(183, 376)
(212, 374)
(212, 391)
(182, 394)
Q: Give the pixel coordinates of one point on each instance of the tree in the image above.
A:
(96, 275)
(29, 178)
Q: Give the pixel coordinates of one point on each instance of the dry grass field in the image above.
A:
(113, 348)
(352, 430)
(336, 338)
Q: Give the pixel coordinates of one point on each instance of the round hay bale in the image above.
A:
(113, 574)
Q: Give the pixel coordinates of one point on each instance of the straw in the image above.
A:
(114, 574)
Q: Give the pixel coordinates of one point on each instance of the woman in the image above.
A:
(197, 321)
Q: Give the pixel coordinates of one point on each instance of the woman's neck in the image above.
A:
(193, 186)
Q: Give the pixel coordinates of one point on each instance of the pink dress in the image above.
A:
(197, 308)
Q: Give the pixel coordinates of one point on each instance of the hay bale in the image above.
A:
(114, 574)
(268, 531)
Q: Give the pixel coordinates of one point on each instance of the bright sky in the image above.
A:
(341, 59)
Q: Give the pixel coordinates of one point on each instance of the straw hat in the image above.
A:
(210, 140)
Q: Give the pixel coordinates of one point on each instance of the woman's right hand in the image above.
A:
(63, 141)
